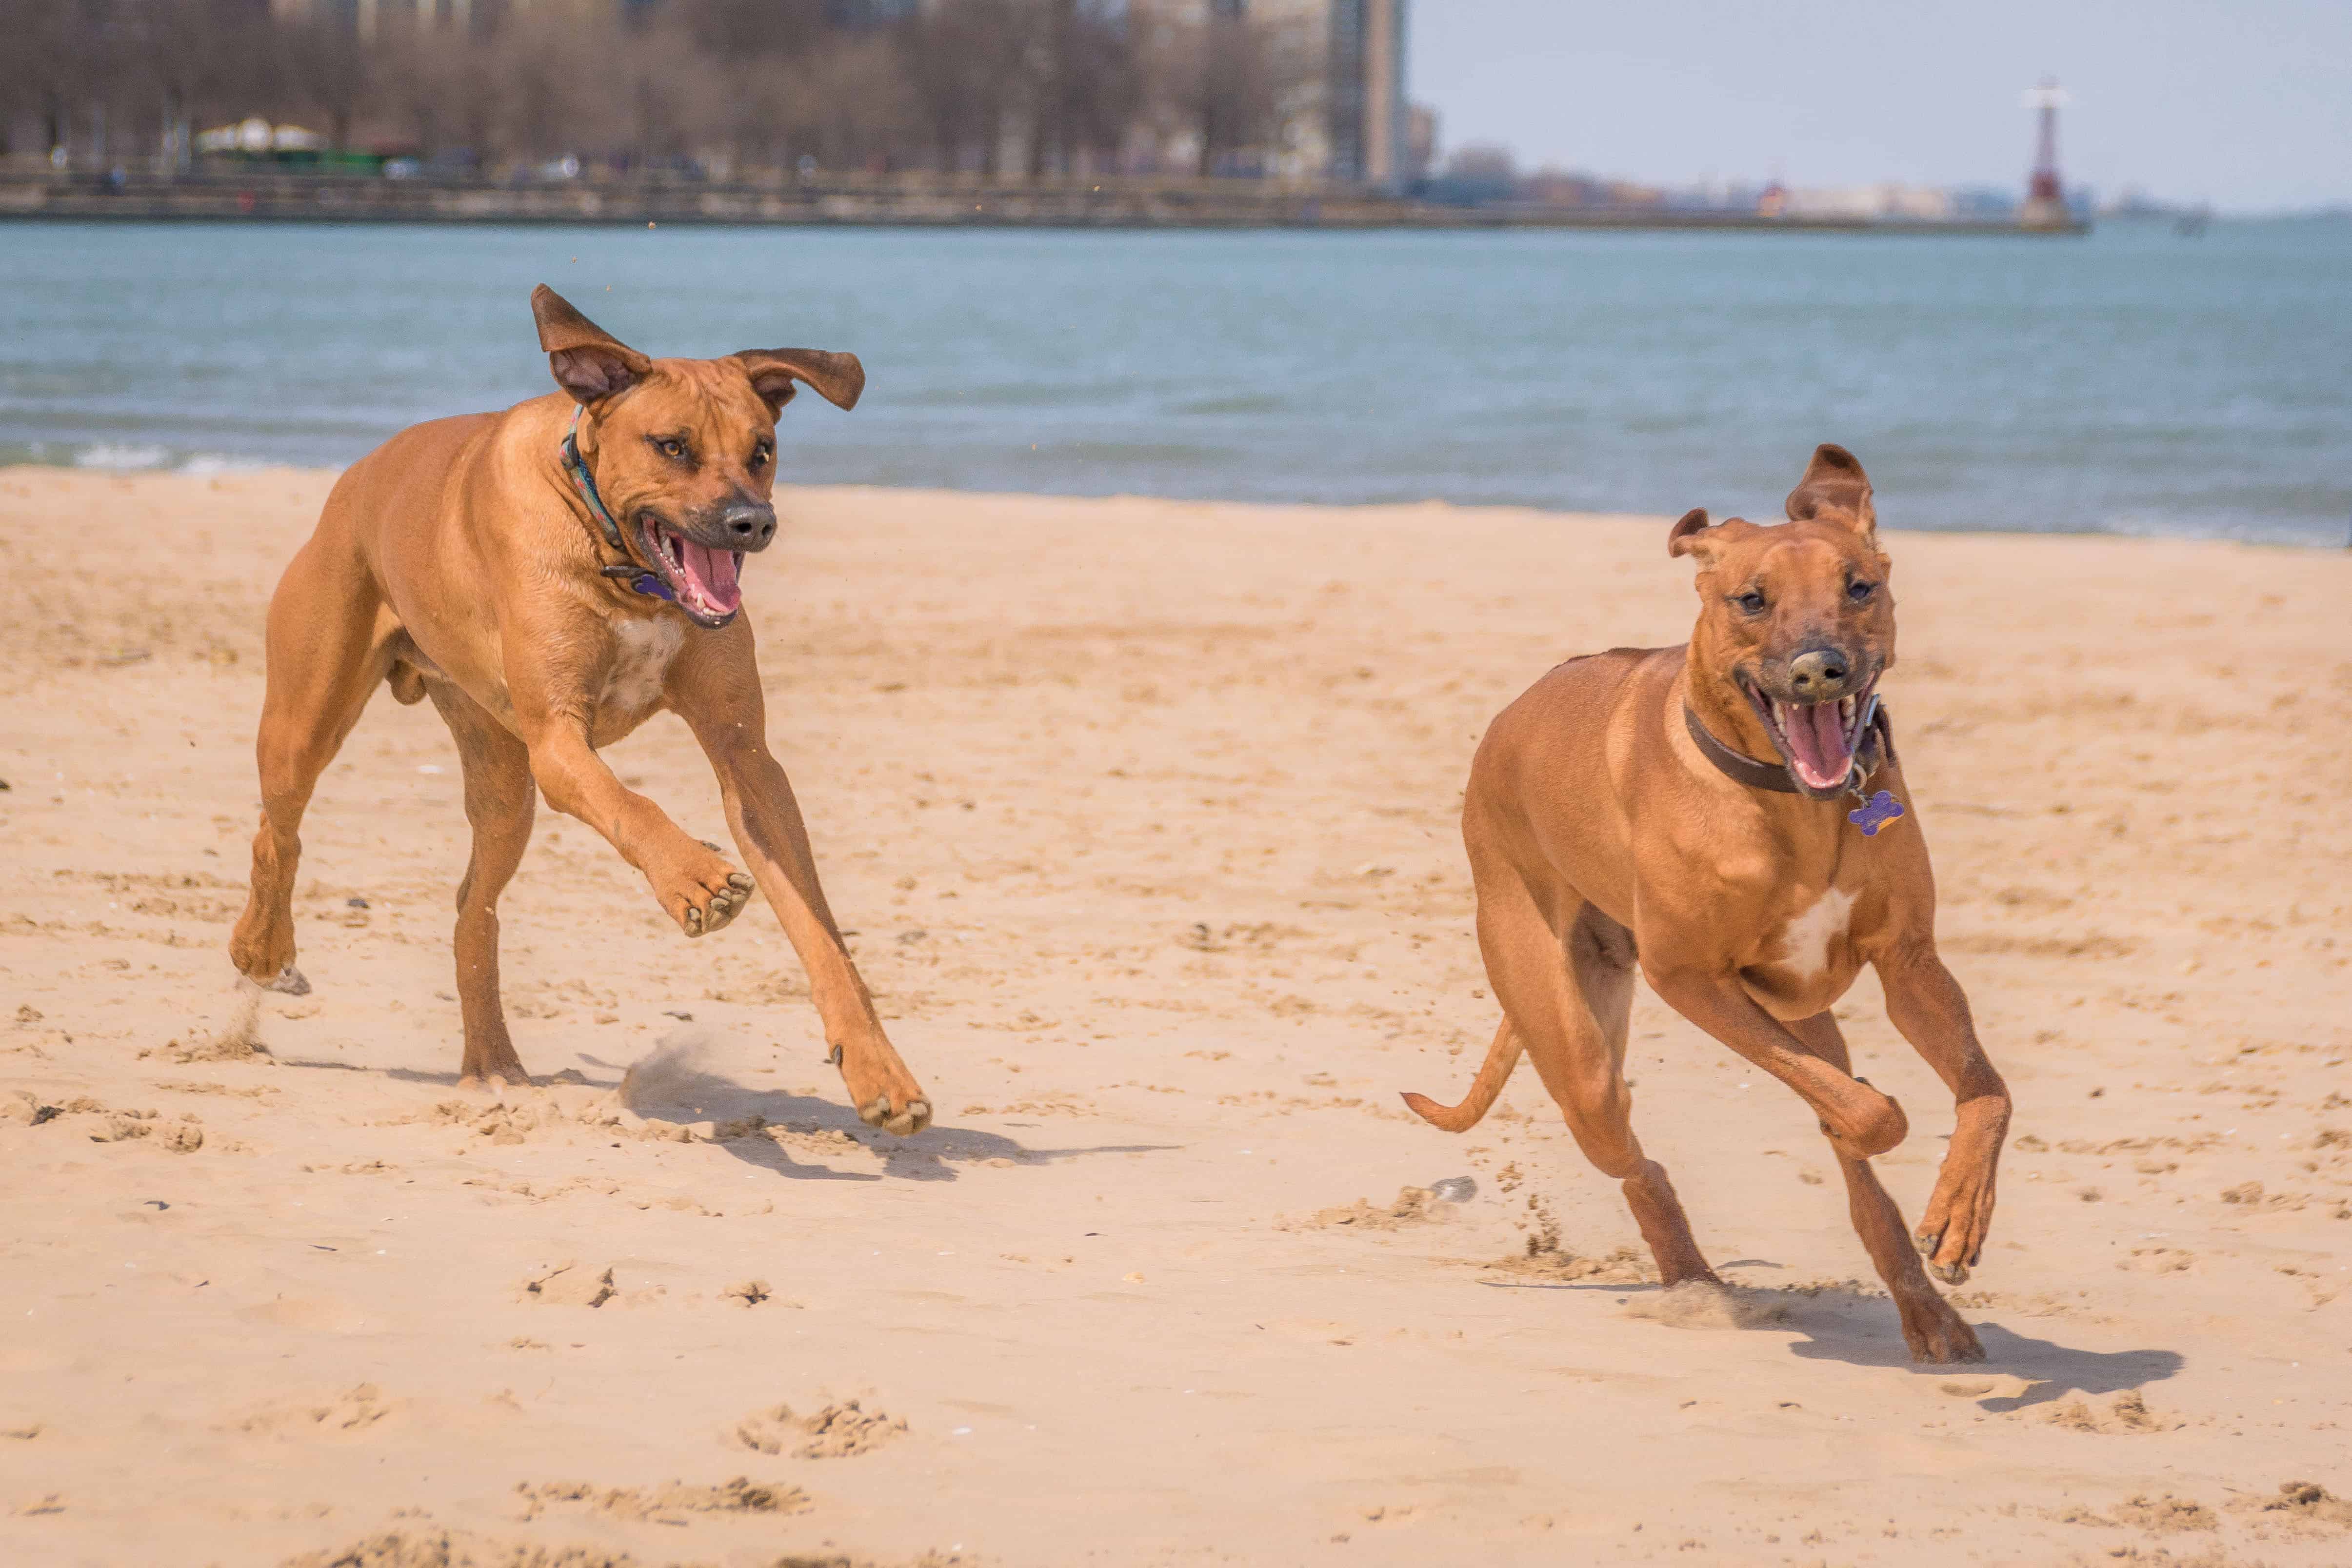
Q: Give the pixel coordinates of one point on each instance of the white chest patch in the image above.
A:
(1805, 941)
(642, 651)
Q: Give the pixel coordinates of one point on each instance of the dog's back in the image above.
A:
(1572, 737)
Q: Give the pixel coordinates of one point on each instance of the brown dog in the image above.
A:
(551, 577)
(1617, 814)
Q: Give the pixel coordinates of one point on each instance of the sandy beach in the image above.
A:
(1143, 813)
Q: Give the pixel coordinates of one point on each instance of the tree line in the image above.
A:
(996, 87)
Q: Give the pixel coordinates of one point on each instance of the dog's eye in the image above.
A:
(760, 454)
(1860, 593)
(1751, 602)
(670, 446)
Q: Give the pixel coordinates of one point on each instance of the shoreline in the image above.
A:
(230, 467)
(264, 196)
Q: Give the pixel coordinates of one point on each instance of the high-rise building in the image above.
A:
(1353, 119)
(1366, 100)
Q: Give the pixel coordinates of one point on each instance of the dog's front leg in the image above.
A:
(698, 888)
(765, 818)
(1928, 1007)
(1859, 1120)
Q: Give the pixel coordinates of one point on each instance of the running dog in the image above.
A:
(553, 577)
(1729, 817)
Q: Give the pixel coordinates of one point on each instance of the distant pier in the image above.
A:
(918, 200)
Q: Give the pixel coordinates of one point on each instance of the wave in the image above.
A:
(125, 457)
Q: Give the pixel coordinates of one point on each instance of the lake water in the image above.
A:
(2135, 381)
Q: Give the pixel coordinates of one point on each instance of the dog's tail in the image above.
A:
(1493, 1074)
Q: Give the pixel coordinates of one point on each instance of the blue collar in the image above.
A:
(584, 482)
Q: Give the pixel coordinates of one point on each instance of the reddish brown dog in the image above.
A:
(1699, 812)
(553, 577)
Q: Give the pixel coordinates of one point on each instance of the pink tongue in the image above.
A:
(713, 572)
(1817, 735)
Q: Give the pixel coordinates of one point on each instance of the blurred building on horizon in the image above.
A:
(1337, 71)
(1304, 90)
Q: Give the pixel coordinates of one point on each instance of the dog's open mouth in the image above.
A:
(1816, 739)
(707, 583)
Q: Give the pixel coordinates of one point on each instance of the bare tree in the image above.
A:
(1083, 84)
(57, 59)
(1043, 86)
(325, 72)
(963, 60)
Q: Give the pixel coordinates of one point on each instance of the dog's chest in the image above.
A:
(1804, 962)
(1809, 935)
(642, 651)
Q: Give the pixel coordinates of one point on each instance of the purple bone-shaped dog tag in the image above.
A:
(1875, 813)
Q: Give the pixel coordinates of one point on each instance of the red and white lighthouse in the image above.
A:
(2045, 192)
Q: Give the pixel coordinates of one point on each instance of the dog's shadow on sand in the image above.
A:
(1849, 1329)
(680, 1092)
(1859, 1327)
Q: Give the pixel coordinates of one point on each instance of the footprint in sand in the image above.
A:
(838, 1431)
(2159, 1261)
(434, 1547)
(1545, 1261)
(669, 1503)
(1700, 1304)
(1413, 1205)
(568, 1284)
(2307, 1506)
(343, 1415)
(2165, 1515)
(2127, 1414)
(181, 1132)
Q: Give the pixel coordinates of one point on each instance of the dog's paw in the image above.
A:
(1952, 1229)
(702, 892)
(885, 1092)
(904, 1122)
(1935, 1333)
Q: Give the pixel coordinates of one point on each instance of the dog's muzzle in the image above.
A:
(1819, 724)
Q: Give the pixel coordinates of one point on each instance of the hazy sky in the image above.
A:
(2245, 105)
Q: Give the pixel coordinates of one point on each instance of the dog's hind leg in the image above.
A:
(1932, 1330)
(500, 798)
(1567, 996)
(328, 646)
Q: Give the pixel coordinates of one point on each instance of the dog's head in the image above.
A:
(1796, 622)
(684, 451)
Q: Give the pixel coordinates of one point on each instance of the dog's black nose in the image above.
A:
(749, 526)
(1818, 673)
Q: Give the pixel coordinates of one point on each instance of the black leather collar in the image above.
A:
(1877, 748)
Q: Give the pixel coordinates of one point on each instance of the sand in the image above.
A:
(1144, 816)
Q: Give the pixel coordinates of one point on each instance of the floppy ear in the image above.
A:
(1835, 485)
(839, 379)
(589, 363)
(1687, 537)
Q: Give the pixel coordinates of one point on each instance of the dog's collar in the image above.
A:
(645, 582)
(1877, 747)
